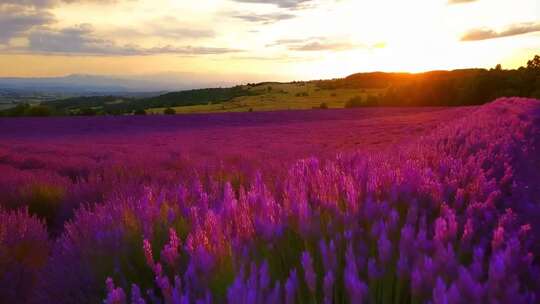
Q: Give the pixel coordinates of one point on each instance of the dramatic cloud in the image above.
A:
(317, 44)
(166, 27)
(282, 58)
(291, 4)
(324, 46)
(49, 3)
(460, 1)
(80, 40)
(264, 18)
(15, 21)
(512, 30)
(17, 17)
(293, 41)
(34, 3)
(171, 27)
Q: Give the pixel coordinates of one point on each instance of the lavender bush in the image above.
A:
(450, 217)
(24, 248)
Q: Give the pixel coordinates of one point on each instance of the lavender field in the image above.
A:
(372, 205)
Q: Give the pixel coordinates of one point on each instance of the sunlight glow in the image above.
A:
(321, 39)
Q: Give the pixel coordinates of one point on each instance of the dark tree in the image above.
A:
(169, 111)
(38, 111)
(87, 112)
(534, 64)
(372, 101)
(18, 110)
(355, 102)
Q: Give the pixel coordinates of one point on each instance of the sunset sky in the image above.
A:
(255, 39)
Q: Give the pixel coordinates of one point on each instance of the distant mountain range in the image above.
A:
(80, 84)
(35, 90)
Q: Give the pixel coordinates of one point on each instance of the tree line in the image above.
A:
(444, 88)
(436, 88)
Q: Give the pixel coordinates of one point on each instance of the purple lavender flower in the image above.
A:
(114, 295)
(136, 297)
(232, 217)
(384, 248)
(276, 296)
(328, 288)
(170, 252)
(291, 288)
(309, 272)
(148, 253)
(264, 276)
(328, 253)
(440, 293)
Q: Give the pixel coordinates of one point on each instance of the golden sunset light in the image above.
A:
(282, 40)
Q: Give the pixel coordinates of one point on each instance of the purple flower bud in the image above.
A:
(291, 288)
(328, 253)
(251, 296)
(373, 271)
(468, 231)
(393, 220)
(264, 276)
(356, 289)
(328, 288)
(235, 291)
(136, 297)
(406, 242)
(497, 267)
(445, 225)
(170, 251)
(469, 288)
(148, 253)
(114, 295)
(309, 272)
(385, 249)
(416, 282)
(439, 293)
(276, 296)
(498, 238)
(403, 266)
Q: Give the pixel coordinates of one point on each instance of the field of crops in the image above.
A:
(280, 96)
(378, 205)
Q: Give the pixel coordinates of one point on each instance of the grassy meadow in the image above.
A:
(280, 96)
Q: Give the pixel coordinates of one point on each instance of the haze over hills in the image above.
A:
(34, 90)
(86, 84)
(83, 83)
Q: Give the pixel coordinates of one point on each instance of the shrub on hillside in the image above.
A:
(38, 111)
(169, 111)
(355, 102)
(87, 112)
(372, 101)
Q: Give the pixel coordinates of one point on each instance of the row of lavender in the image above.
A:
(450, 218)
